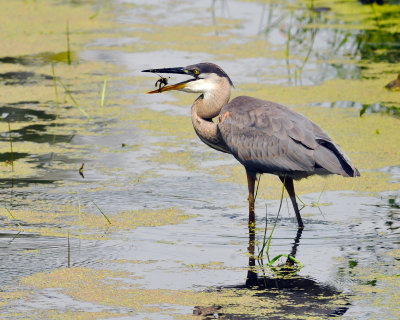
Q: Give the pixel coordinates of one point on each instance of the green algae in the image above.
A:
(28, 26)
(115, 289)
(212, 265)
(192, 37)
(367, 18)
(342, 14)
(369, 152)
(61, 315)
(6, 297)
(162, 123)
(375, 283)
(31, 45)
(127, 220)
(125, 261)
(370, 182)
(329, 91)
(80, 223)
(199, 38)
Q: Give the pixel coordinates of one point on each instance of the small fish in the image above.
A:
(81, 170)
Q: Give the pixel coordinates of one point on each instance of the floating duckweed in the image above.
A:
(331, 90)
(48, 222)
(28, 26)
(163, 123)
(376, 283)
(8, 296)
(67, 315)
(132, 219)
(100, 287)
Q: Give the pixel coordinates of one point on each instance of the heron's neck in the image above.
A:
(206, 107)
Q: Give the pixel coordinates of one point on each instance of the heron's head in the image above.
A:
(206, 77)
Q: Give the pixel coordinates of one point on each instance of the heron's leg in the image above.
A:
(296, 243)
(251, 274)
(290, 189)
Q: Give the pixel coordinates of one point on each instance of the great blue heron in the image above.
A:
(265, 137)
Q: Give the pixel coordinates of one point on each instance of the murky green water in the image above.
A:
(176, 247)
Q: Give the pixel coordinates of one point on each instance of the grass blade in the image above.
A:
(103, 93)
(267, 243)
(276, 220)
(12, 216)
(102, 213)
(69, 253)
(68, 45)
(57, 100)
(55, 88)
(11, 146)
(302, 202)
(74, 101)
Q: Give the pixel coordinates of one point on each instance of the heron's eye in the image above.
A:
(196, 72)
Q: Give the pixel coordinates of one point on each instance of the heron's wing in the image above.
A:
(268, 137)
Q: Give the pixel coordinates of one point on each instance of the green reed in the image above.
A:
(68, 251)
(68, 44)
(103, 93)
(11, 146)
(101, 211)
(80, 108)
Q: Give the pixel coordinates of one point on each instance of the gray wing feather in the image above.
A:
(269, 138)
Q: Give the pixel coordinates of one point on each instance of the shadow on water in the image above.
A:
(12, 112)
(42, 58)
(31, 132)
(7, 156)
(22, 78)
(24, 182)
(37, 133)
(293, 295)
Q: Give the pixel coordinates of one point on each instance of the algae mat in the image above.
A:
(112, 208)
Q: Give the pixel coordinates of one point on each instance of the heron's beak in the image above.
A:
(177, 86)
(178, 70)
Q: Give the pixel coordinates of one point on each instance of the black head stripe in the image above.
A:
(208, 67)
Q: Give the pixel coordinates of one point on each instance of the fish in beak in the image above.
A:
(177, 86)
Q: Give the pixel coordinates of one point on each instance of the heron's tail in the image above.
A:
(332, 158)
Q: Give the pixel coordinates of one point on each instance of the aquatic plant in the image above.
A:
(55, 89)
(101, 211)
(12, 216)
(11, 147)
(292, 265)
(69, 252)
(267, 243)
(80, 108)
(103, 93)
(68, 45)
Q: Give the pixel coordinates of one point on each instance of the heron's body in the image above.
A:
(265, 137)
(270, 138)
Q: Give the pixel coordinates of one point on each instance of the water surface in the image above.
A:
(176, 247)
